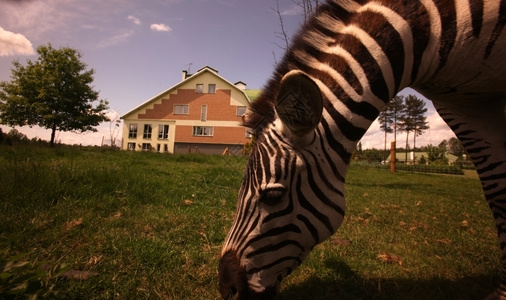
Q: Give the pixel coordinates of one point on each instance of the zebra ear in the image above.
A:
(299, 104)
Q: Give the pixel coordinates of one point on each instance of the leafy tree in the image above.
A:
(367, 155)
(53, 92)
(436, 155)
(414, 119)
(372, 155)
(454, 146)
(15, 136)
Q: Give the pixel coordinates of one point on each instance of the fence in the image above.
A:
(454, 170)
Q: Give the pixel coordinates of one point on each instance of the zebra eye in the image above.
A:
(272, 196)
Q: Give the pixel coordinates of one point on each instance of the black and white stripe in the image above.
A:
(357, 55)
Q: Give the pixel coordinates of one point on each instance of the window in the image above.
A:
(212, 89)
(147, 131)
(203, 115)
(131, 146)
(241, 110)
(181, 109)
(165, 148)
(199, 89)
(163, 132)
(249, 135)
(202, 131)
(132, 131)
(158, 147)
(146, 146)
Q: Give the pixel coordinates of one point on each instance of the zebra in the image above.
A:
(341, 69)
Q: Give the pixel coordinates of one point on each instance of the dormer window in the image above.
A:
(212, 88)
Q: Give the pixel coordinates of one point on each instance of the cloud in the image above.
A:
(135, 20)
(294, 10)
(112, 115)
(120, 38)
(160, 27)
(14, 44)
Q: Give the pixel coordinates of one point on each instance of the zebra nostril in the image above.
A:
(233, 282)
(233, 293)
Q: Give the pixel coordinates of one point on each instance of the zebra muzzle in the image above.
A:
(234, 283)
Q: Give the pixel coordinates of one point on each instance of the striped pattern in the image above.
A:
(360, 54)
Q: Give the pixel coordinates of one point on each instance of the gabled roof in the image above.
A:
(175, 87)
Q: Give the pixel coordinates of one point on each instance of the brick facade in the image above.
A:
(218, 106)
(221, 135)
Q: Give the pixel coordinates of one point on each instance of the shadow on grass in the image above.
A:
(390, 186)
(347, 284)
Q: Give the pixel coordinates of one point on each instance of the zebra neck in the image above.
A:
(361, 56)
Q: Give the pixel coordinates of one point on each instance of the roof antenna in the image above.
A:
(189, 66)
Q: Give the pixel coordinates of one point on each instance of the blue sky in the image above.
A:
(139, 49)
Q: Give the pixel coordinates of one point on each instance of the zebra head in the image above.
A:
(291, 196)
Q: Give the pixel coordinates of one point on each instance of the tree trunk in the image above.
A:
(385, 148)
(414, 146)
(406, 157)
(53, 133)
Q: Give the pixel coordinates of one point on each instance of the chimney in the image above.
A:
(185, 73)
(240, 85)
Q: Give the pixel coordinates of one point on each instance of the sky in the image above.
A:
(139, 49)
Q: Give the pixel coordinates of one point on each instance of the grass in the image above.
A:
(406, 236)
(86, 224)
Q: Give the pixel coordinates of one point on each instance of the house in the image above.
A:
(202, 113)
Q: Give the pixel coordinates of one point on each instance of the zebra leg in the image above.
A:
(481, 128)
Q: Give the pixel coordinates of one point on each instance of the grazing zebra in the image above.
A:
(342, 68)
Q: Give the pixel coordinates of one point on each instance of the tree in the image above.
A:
(282, 35)
(308, 7)
(53, 92)
(454, 146)
(386, 120)
(114, 128)
(437, 154)
(15, 136)
(390, 118)
(414, 119)
(396, 108)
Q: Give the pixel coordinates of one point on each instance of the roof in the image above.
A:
(252, 94)
(187, 78)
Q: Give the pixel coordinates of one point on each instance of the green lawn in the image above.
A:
(91, 224)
